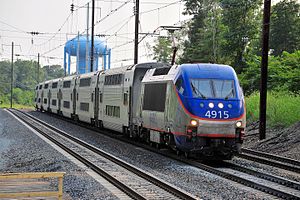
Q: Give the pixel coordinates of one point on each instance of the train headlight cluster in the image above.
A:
(220, 105)
(194, 122)
(211, 105)
(238, 124)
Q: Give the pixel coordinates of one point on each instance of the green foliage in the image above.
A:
(285, 27)
(204, 31)
(282, 108)
(283, 73)
(25, 79)
(242, 21)
(163, 50)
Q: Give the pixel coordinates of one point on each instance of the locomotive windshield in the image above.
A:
(213, 88)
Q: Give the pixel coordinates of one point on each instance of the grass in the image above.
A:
(283, 108)
(17, 106)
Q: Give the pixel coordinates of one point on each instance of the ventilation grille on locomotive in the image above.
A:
(155, 97)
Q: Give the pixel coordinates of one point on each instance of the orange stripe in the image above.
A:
(205, 119)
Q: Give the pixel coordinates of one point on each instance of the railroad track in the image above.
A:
(214, 170)
(270, 159)
(136, 183)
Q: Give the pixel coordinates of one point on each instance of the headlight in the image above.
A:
(194, 122)
(221, 105)
(211, 105)
(238, 124)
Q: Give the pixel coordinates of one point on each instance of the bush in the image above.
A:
(282, 108)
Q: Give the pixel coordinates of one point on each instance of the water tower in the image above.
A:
(81, 49)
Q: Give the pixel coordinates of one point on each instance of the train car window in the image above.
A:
(115, 79)
(157, 90)
(113, 111)
(101, 97)
(53, 102)
(36, 87)
(84, 107)
(39, 100)
(45, 101)
(125, 100)
(85, 82)
(40, 86)
(66, 104)
(54, 85)
(46, 86)
(67, 84)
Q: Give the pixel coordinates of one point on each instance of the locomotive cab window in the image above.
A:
(40, 86)
(213, 88)
(179, 85)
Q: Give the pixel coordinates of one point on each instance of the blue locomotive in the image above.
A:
(197, 109)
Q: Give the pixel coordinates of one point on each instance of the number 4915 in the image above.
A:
(213, 114)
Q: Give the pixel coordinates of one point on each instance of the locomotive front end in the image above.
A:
(213, 102)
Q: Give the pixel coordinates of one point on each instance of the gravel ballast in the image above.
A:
(23, 151)
(191, 179)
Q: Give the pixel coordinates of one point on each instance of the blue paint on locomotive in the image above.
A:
(233, 105)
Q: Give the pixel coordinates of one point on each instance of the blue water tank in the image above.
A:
(100, 50)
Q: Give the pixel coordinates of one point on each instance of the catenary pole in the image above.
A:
(92, 35)
(38, 68)
(12, 73)
(136, 32)
(87, 39)
(264, 70)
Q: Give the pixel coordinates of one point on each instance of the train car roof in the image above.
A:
(90, 74)
(217, 71)
(69, 78)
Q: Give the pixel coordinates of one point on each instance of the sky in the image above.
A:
(56, 24)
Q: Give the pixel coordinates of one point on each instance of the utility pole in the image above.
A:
(136, 32)
(87, 40)
(38, 69)
(12, 73)
(92, 42)
(264, 70)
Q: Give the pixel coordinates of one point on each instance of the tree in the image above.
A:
(25, 79)
(285, 27)
(163, 49)
(204, 31)
(283, 73)
(242, 21)
(53, 71)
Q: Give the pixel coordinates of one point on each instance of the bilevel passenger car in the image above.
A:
(197, 109)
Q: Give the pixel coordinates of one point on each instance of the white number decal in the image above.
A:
(214, 114)
(225, 114)
(207, 114)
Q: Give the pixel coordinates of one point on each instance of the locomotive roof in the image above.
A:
(217, 71)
